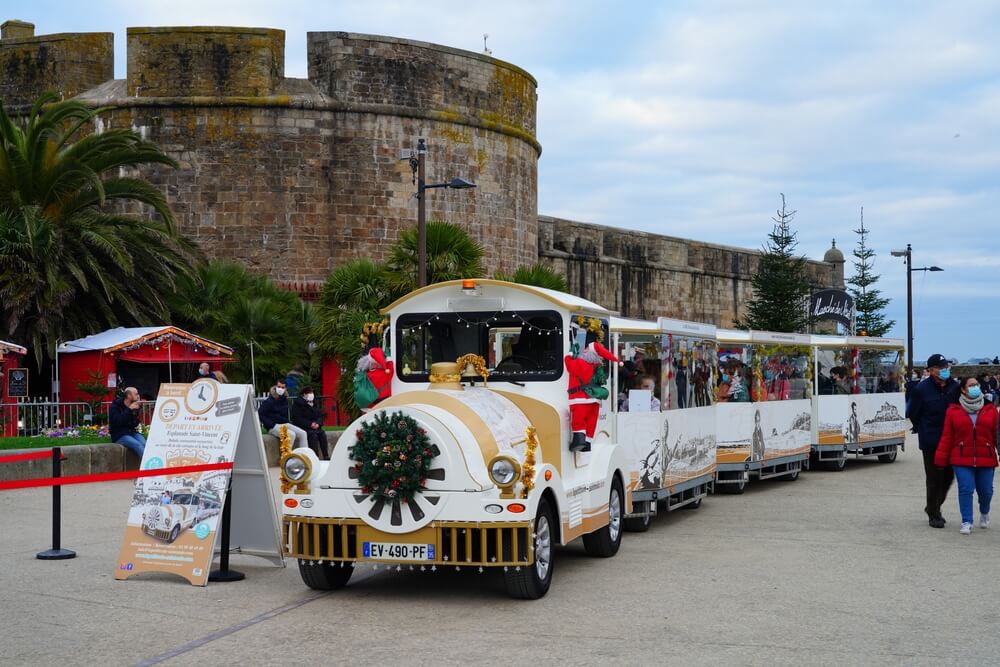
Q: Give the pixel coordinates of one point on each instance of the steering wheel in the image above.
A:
(518, 359)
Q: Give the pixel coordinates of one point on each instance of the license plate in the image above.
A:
(397, 551)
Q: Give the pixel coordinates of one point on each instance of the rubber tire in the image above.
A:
(599, 543)
(888, 458)
(638, 524)
(733, 489)
(524, 583)
(693, 506)
(837, 466)
(174, 534)
(325, 576)
(791, 477)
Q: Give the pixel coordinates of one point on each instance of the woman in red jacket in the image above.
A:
(969, 444)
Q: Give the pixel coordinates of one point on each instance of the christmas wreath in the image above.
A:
(392, 456)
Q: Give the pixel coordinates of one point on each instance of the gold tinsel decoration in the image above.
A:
(528, 467)
(372, 328)
(284, 449)
(591, 324)
(477, 362)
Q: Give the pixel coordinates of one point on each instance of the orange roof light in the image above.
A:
(468, 284)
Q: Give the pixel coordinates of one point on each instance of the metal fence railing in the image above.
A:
(36, 416)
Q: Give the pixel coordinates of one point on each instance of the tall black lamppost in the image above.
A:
(907, 256)
(417, 165)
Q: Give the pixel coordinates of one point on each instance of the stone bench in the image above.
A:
(105, 457)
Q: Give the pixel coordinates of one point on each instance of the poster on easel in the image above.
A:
(174, 522)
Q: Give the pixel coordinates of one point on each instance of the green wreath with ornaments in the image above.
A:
(392, 456)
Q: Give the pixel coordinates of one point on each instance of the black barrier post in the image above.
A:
(224, 573)
(56, 552)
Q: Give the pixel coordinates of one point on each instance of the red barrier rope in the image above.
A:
(110, 476)
(27, 456)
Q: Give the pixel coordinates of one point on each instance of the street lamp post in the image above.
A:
(907, 256)
(418, 165)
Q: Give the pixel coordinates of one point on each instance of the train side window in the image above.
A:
(689, 372)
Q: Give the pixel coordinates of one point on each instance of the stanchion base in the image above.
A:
(226, 575)
(55, 554)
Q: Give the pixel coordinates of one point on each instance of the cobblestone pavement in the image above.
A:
(835, 568)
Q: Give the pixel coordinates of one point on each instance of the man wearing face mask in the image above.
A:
(928, 403)
(308, 417)
(273, 413)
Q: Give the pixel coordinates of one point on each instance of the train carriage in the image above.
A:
(858, 402)
(480, 414)
(663, 415)
(764, 409)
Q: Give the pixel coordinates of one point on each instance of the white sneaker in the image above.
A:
(984, 520)
(966, 529)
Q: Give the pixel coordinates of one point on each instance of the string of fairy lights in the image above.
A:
(496, 317)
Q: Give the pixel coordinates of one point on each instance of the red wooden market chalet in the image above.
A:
(141, 357)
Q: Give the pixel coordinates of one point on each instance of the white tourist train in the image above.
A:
(481, 371)
(475, 460)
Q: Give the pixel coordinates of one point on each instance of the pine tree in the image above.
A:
(780, 286)
(868, 302)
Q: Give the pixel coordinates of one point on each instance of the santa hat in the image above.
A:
(377, 355)
(600, 350)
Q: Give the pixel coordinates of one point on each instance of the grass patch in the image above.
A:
(26, 442)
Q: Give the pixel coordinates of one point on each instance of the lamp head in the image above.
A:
(935, 268)
(460, 184)
(898, 253)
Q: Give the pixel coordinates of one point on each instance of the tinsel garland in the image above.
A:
(528, 467)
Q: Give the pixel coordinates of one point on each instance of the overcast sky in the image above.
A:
(688, 119)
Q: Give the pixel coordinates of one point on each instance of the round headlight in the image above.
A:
(295, 468)
(504, 471)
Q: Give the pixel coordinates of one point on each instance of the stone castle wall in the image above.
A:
(296, 176)
(650, 275)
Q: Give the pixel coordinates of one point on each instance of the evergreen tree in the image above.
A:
(780, 286)
(869, 305)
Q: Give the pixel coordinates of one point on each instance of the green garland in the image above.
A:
(392, 456)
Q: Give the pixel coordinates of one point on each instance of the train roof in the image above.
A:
(855, 341)
(630, 325)
(753, 336)
(488, 287)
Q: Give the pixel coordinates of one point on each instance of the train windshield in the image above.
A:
(519, 346)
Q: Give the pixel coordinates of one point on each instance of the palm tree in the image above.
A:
(451, 255)
(538, 275)
(225, 302)
(72, 261)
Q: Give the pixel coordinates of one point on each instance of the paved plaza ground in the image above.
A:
(835, 568)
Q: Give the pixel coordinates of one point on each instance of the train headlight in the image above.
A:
(295, 468)
(504, 471)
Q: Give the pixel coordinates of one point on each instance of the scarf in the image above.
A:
(971, 406)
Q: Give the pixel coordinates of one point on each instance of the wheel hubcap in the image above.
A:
(543, 547)
(615, 515)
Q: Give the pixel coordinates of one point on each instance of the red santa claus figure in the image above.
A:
(373, 373)
(587, 386)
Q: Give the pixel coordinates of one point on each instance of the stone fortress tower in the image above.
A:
(295, 176)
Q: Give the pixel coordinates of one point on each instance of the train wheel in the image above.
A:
(325, 576)
(838, 465)
(605, 542)
(533, 581)
(888, 458)
(792, 476)
(639, 524)
(692, 506)
(174, 533)
(733, 489)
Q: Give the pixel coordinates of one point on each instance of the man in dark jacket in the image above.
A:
(123, 421)
(928, 403)
(273, 413)
(308, 417)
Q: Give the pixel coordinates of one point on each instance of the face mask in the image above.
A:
(308, 397)
(768, 374)
(945, 373)
(280, 391)
(202, 372)
(975, 392)
(725, 377)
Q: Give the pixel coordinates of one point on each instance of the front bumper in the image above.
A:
(158, 533)
(486, 544)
